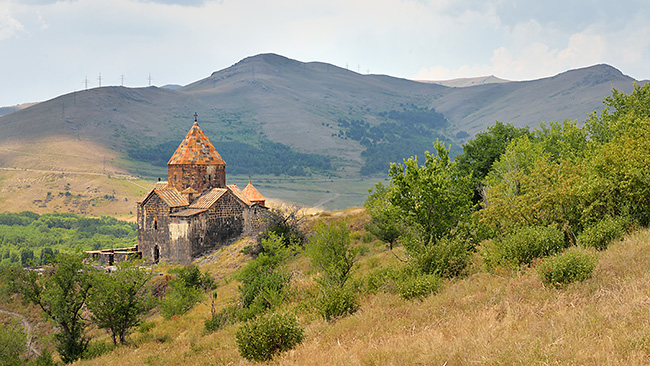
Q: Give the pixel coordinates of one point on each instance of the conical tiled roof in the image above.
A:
(196, 149)
(253, 194)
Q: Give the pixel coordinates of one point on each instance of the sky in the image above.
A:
(49, 48)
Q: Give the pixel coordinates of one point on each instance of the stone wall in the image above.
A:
(215, 227)
(199, 177)
(153, 229)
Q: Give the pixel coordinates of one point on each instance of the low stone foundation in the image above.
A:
(111, 257)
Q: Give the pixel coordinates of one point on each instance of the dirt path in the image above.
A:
(29, 330)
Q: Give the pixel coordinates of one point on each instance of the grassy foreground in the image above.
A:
(483, 318)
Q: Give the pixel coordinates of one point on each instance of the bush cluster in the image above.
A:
(418, 286)
(531, 242)
(226, 316)
(262, 338)
(337, 302)
(602, 233)
(572, 266)
(447, 258)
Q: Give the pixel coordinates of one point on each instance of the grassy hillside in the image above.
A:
(482, 318)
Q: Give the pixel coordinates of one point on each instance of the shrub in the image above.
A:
(191, 275)
(261, 339)
(418, 286)
(264, 280)
(530, 242)
(44, 359)
(381, 279)
(226, 316)
(180, 299)
(337, 302)
(571, 266)
(447, 258)
(603, 232)
(12, 343)
(96, 349)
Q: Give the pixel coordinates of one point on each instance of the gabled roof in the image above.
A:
(170, 195)
(238, 193)
(208, 199)
(158, 185)
(253, 194)
(196, 149)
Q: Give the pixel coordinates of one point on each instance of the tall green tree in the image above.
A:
(264, 280)
(330, 252)
(484, 149)
(118, 300)
(385, 222)
(61, 294)
(432, 198)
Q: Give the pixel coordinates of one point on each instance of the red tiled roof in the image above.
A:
(172, 197)
(238, 193)
(196, 149)
(253, 194)
(208, 199)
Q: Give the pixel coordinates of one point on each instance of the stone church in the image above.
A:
(194, 211)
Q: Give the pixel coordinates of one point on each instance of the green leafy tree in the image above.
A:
(61, 294)
(432, 198)
(118, 300)
(330, 252)
(610, 124)
(187, 289)
(385, 222)
(484, 149)
(264, 280)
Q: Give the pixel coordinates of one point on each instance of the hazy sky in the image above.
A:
(48, 48)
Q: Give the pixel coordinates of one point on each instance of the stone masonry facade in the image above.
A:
(194, 211)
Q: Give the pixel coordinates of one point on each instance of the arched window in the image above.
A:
(156, 254)
(155, 223)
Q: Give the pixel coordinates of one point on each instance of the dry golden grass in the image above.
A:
(77, 174)
(482, 319)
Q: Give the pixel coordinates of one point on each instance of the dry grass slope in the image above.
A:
(483, 319)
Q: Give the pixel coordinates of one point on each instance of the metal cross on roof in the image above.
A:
(195, 117)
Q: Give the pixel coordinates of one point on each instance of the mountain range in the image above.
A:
(269, 115)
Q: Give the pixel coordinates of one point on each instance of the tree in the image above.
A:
(484, 149)
(384, 221)
(61, 295)
(330, 252)
(118, 300)
(264, 280)
(187, 289)
(432, 198)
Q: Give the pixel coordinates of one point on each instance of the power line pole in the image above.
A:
(86, 82)
(150, 79)
(122, 82)
(100, 79)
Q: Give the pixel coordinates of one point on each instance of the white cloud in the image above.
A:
(9, 27)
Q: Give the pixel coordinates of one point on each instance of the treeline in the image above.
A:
(242, 158)
(406, 132)
(29, 238)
